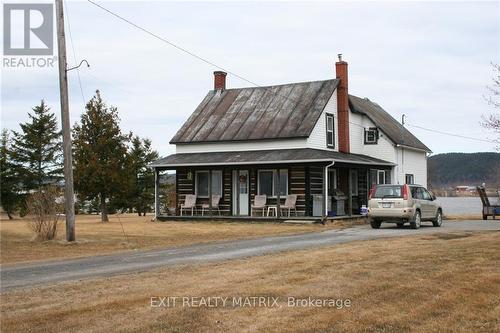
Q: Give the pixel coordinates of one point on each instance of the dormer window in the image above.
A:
(330, 131)
(371, 136)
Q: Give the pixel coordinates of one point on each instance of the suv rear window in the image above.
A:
(395, 191)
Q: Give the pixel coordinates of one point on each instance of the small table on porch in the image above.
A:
(272, 208)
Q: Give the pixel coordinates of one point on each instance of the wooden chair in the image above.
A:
(488, 209)
(259, 202)
(289, 204)
(189, 203)
(215, 204)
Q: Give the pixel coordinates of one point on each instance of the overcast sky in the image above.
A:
(430, 61)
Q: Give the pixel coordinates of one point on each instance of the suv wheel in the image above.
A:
(417, 220)
(438, 221)
(375, 223)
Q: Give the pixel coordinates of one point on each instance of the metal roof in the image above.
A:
(274, 156)
(387, 124)
(274, 112)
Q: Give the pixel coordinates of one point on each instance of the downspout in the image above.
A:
(156, 194)
(326, 188)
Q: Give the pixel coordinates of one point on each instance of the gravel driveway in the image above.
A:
(26, 275)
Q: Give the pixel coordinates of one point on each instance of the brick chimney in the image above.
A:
(220, 80)
(342, 105)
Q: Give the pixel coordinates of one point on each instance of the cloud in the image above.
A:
(430, 61)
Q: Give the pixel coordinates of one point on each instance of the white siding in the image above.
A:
(317, 139)
(411, 162)
(384, 149)
(240, 146)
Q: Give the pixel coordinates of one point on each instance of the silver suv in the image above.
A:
(401, 204)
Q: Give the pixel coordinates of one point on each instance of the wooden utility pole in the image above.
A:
(68, 159)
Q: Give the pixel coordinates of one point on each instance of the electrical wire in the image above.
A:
(74, 54)
(211, 63)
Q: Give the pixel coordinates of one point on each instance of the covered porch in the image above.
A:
(285, 184)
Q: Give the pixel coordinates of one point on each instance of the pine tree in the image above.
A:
(100, 154)
(37, 149)
(141, 155)
(9, 177)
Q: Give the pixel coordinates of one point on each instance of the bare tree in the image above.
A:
(492, 121)
(44, 209)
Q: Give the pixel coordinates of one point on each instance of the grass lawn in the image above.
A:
(94, 237)
(427, 283)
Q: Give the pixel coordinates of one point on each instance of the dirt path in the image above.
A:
(26, 275)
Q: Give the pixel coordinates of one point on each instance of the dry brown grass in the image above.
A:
(441, 283)
(94, 237)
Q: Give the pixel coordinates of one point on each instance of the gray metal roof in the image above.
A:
(387, 124)
(274, 112)
(275, 156)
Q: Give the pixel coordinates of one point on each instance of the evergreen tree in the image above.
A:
(37, 149)
(9, 177)
(100, 151)
(141, 155)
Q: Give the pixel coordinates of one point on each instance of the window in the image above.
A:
(371, 136)
(330, 131)
(409, 179)
(201, 183)
(268, 182)
(354, 182)
(380, 177)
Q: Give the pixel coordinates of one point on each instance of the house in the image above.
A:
(309, 139)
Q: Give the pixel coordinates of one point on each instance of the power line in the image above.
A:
(74, 53)
(211, 63)
(172, 44)
(452, 134)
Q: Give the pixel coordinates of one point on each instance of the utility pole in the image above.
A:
(68, 159)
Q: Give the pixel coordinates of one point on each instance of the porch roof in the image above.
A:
(274, 156)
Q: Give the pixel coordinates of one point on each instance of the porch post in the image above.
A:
(278, 203)
(157, 190)
(349, 180)
(325, 193)
(210, 192)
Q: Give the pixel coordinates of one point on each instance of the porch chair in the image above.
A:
(215, 204)
(189, 203)
(259, 202)
(289, 204)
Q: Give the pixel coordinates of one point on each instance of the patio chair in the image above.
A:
(488, 208)
(215, 204)
(259, 202)
(289, 204)
(189, 203)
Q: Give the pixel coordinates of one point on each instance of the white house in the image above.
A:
(311, 140)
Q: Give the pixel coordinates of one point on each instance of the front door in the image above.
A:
(240, 192)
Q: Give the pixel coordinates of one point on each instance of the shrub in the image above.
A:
(44, 210)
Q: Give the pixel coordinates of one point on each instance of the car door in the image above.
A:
(427, 204)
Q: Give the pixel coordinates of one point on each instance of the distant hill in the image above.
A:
(452, 169)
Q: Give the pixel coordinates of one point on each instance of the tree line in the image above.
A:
(110, 167)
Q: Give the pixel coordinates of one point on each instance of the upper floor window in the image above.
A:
(371, 136)
(409, 179)
(330, 131)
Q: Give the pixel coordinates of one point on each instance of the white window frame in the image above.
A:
(210, 182)
(412, 178)
(354, 182)
(378, 177)
(275, 175)
(330, 132)
(373, 130)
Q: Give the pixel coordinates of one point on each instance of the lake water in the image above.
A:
(462, 205)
